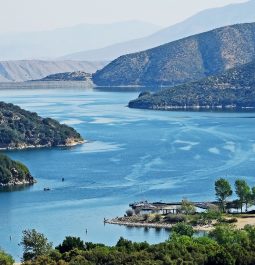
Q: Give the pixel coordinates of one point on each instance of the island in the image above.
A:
(13, 173)
(21, 129)
(69, 76)
(233, 89)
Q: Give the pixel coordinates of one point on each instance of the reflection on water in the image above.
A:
(15, 188)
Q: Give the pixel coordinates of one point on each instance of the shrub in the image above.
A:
(146, 217)
(183, 229)
(175, 218)
(157, 218)
(187, 207)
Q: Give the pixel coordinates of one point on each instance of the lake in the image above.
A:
(129, 155)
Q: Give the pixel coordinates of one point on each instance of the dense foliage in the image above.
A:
(34, 244)
(224, 246)
(20, 128)
(234, 89)
(12, 172)
(5, 259)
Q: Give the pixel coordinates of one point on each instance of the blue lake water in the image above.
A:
(130, 155)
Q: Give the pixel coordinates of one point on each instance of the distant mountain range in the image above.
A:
(201, 22)
(19, 71)
(233, 89)
(183, 61)
(58, 42)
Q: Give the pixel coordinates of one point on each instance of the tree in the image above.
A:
(183, 229)
(34, 244)
(187, 207)
(5, 259)
(243, 191)
(223, 191)
(71, 243)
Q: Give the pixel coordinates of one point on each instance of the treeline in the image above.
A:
(245, 194)
(225, 245)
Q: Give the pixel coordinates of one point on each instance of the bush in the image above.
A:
(228, 221)
(157, 218)
(187, 207)
(175, 218)
(183, 229)
(146, 217)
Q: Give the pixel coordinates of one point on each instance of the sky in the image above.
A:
(36, 15)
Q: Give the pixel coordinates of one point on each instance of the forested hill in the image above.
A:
(69, 76)
(23, 129)
(14, 173)
(183, 61)
(233, 89)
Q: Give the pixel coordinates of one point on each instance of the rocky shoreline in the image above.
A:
(117, 221)
(15, 182)
(24, 146)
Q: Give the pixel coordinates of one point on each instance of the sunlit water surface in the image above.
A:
(130, 155)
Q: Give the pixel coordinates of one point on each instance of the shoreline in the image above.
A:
(240, 224)
(26, 147)
(154, 225)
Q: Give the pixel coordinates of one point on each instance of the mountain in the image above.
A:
(19, 71)
(233, 89)
(58, 42)
(182, 61)
(69, 76)
(14, 173)
(21, 129)
(203, 21)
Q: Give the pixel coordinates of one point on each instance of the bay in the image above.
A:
(130, 155)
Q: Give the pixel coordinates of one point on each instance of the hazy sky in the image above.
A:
(29, 15)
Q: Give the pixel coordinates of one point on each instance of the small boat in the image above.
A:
(46, 189)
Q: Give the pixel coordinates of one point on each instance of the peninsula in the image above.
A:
(233, 89)
(21, 129)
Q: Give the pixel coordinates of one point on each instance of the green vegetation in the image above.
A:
(5, 259)
(187, 207)
(183, 229)
(20, 129)
(70, 243)
(223, 191)
(34, 244)
(233, 89)
(225, 245)
(13, 172)
(243, 192)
